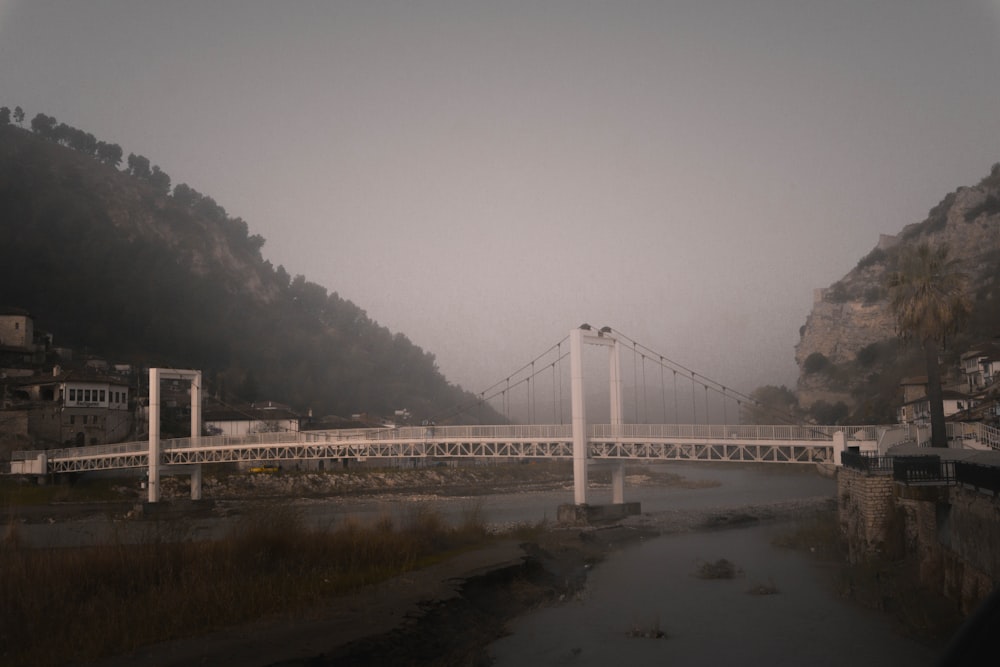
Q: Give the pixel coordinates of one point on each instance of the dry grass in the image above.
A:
(20, 491)
(85, 603)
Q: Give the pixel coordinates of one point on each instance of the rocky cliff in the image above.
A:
(848, 350)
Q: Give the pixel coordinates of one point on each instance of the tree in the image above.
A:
(159, 180)
(929, 299)
(43, 126)
(138, 166)
(109, 153)
(4, 116)
(18, 115)
(771, 405)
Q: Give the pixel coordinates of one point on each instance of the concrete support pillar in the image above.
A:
(153, 483)
(196, 482)
(618, 483)
(196, 433)
(43, 468)
(839, 446)
(615, 392)
(579, 417)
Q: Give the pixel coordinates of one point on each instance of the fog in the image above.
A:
(485, 176)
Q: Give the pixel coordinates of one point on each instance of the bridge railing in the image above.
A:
(977, 431)
(81, 452)
(730, 432)
(512, 431)
(225, 441)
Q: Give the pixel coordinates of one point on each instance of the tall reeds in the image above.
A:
(60, 606)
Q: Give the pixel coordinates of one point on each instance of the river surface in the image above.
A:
(653, 587)
(730, 485)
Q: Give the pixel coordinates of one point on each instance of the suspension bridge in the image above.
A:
(586, 444)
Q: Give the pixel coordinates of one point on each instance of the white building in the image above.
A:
(76, 409)
(250, 420)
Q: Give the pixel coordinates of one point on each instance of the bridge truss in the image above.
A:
(630, 442)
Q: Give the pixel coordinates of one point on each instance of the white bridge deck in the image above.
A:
(649, 442)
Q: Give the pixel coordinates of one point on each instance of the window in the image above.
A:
(72, 419)
(101, 399)
(72, 394)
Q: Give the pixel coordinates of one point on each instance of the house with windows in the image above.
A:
(980, 367)
(74, 408)
(918, 410)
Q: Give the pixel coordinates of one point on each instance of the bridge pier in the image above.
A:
(577, 337)
(618, 484)
(196, 482)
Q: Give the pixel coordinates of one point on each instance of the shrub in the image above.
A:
(815, 363)
(874, 257)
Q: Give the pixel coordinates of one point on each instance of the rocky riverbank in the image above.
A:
(447, 614)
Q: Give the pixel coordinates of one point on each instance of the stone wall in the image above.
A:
(951, 534)
(866, 509)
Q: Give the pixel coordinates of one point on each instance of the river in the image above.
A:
(653, 587)
(640, 588)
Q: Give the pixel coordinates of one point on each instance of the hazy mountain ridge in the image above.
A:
(848, 351)
(114, 264)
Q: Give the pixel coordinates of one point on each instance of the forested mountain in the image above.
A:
(116, 262)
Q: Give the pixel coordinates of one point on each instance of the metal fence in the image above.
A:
(923, 470)
(978, 476)
(867, 463)
(929, 469)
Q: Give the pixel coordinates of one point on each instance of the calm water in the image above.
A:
(737, 485)
(707, 622)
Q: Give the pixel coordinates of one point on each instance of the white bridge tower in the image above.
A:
(585, 334)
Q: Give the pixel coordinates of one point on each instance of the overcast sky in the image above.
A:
(485, 176)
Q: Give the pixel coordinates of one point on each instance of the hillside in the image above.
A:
(848, 351)
(119, 264)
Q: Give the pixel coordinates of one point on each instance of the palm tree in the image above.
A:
(927, 295)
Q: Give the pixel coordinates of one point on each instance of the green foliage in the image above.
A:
(138, 166)
(823, 412)
(771, 405)
(837, 293)
(874, 257)
(992, 181)
(815, 363)
(928, 293)
(989, 206)
(4, 116)
(19, 115)
(43, 126)
(929, 299)
(937, 219)
(870, 354)
(873, 294)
